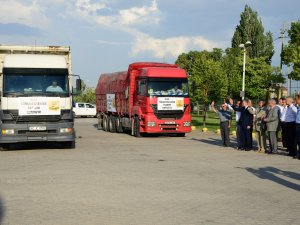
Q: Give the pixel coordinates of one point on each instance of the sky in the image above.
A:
(108, 35)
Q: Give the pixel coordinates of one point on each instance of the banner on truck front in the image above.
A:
(111, 102)
(35, 106)
(170, 103)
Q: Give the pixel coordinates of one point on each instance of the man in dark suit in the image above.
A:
(246, 123)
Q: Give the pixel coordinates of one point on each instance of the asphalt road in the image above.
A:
(116, 179)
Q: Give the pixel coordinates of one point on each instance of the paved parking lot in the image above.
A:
(116, 179)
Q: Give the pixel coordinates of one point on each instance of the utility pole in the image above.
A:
(244, 47)
(282, 33)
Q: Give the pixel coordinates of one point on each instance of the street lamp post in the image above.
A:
(244, 46)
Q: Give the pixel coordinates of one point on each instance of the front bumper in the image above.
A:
(166, 125)
(23, 134)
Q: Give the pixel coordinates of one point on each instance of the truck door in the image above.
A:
(142, 94)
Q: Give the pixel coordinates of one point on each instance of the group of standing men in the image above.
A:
(267, 120)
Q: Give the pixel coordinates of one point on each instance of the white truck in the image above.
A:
(36, 95)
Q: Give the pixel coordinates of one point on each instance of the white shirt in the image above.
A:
(290, 114)
(283, 113)
(54, 89)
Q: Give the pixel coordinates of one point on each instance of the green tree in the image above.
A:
(206, 77)
(251, 29)
(87, 95)
(261, 78)
(232, 69)
(291, 53)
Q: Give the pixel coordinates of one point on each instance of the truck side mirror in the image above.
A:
(78, 85)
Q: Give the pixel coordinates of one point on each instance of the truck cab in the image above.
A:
(36, 95)
(162, 101)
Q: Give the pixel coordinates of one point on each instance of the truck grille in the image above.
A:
(168, 126)
(167, 114)
(44, 118)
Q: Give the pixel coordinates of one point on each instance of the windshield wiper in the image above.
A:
(55, 93)
(15, 93)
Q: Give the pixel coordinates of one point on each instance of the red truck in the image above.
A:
(148, 98)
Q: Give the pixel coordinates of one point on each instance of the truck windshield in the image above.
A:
(35, 82)
(168, 87)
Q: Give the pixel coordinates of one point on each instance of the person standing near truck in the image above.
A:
(272, 121)
(259, 125)
(225, 116)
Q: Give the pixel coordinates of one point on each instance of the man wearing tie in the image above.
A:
(272, 121)
(246, 123)
(259, 125)
(238, 125)
(283, 108)
(290, 121)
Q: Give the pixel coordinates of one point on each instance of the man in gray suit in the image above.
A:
(259, 125)
(272, 121)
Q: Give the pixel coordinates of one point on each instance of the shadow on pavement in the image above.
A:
(1, 211)
(32, 146)
(210, 141)
(270, 173)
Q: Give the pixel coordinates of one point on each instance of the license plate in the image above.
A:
(169, 122)
(37, 128)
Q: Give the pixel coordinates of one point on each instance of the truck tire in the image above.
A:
(136, 127)
(105, 123)
(99, 125)
(119, 125)
(112, 124)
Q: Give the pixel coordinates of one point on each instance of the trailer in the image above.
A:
(148, 98)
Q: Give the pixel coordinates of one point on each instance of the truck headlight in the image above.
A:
(186, 124)
(65, 130)
(8, 131)
(151, 124)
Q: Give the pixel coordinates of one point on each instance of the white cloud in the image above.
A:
(140, 15)
(89, 8)
(170, 47)
(128, 20)
(105, 42)
(103, 13)
(30, 14)
(144, 15)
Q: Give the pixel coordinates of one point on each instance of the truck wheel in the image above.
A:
(99, 125)
(119, 125)
(112, 124)
(180, 135)
(136, 127)
(105, 123)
